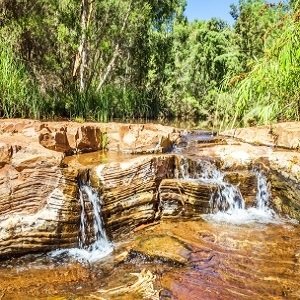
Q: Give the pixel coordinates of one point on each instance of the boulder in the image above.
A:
(185, 198)
(39, 207)
(72, 137)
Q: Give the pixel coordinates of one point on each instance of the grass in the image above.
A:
(270, 91)
(17, 95)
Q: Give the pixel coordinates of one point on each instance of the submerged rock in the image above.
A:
(161, 248)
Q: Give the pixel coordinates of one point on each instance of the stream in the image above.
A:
(235, 251)
(213, 261)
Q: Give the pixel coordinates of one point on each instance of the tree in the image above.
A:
(255, 27)
(203, 55)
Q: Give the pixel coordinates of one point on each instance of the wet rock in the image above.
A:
(163, 248)
(39, 207)
(21, 283)
(246, 182)
(285, 196)
(129, 190)
(185, 198)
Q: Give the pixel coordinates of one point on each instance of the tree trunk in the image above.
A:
(81, 61)
(111, 64)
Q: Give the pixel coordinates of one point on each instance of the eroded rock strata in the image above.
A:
(39, 207)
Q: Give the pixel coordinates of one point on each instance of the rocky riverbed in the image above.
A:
(187, 213)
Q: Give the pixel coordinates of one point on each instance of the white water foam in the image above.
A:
(244, 216)
(226, 198)
(227, 204)
(101, 246)
(261, 213)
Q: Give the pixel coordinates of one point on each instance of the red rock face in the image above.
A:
(39, 207)
(71, 137)
(286, 135)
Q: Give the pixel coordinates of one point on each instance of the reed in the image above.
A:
(110, 103)
(18, 97)
(270, 91)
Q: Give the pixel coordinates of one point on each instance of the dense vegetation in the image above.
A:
(103, 59)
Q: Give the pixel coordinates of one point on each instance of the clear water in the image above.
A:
(228, 196)
(260, 213)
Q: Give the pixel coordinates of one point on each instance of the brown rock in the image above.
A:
(286, 135)
(129, 190)
(185, 198)
(246, 182)
(162, 247)
(39, 207)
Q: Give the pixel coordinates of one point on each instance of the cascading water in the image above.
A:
(263, 195)
(93, 241)
(261, 213)
(227, 204)
(227, 197)
(100, 246)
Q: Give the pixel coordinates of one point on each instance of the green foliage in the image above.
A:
(203, 55)
(111, 103)
(99, 60)
(270, 92)
(255, 27)
(18, 97)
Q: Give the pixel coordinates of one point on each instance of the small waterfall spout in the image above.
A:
(92, 239)
(263, 195)
(238, 214)
(227, 203)
(227, 197)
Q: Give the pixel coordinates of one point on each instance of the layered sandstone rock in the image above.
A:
(286, 135)
(71, 137)
(185, 198)
(280, 166)
(39, 207)
(284, 173)
(129, 190)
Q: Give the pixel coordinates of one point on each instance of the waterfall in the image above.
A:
(227, 196)
(100, 244)
(262, 196)
(227, 203)
(238, 214)
(93, 241)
